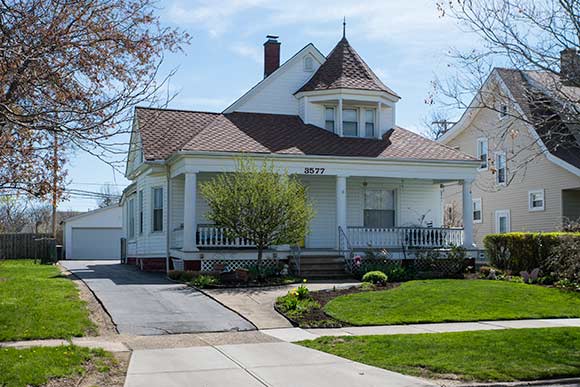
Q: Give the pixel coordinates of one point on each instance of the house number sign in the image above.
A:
(314, 171)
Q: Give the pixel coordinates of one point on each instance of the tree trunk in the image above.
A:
(259, 264)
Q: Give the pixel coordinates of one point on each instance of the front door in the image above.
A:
(322, 195)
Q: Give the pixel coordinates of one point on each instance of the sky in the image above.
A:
(406, 44)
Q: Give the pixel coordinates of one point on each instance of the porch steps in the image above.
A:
(322, 267)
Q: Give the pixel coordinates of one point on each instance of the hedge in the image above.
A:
(519, 251)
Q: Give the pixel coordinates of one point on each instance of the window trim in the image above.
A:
(482, 140)
(498, 215)
(308, 60)
(357, 122)
(153, 231)
(480, 220)
(497, 154)
(536, 191)
(141, 211)
(131, 219)
(373, 110)
(333, 118)
(395, 208)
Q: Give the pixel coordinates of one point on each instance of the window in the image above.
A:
(501, 169)
(536, 200)
(379, 210)
(349, 122)
(370, 123)
(502, 221)
(503, 111)
(157, 209)
(308, 64)
(482, 152)
(329, 119)
(477, 213)
(140, 212)
(131, 218)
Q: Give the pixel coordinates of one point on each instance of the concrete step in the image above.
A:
(319, 267)
(330, 275)
(320, 260)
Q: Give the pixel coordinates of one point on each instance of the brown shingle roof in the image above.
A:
(274, 134)
(537, 94)
(344, 68)
(164, 131)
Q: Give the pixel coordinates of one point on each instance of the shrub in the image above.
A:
(204, 281)
(376, 277)
(187, 276)
(367, 286)
(295, 307)
(564, 261)
(174, 274)
(519, 251)
(302, 292)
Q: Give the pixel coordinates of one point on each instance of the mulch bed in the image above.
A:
(317, 318)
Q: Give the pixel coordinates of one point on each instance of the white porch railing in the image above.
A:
(421, 237)
(212, 236)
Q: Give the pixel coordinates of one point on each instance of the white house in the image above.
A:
(329, 120)
(94, 234)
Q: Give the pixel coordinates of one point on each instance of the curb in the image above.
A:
(549, 382)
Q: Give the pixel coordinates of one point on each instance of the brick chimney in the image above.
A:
(570, 67)
(271, 55)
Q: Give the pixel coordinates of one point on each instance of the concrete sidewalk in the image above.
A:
(245, 365)
(299, 334)
(257, 304)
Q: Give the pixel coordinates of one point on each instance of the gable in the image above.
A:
(275, 94)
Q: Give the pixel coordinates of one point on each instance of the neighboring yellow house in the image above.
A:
(529, 179)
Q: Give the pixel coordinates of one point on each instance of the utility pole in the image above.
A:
(54, 183)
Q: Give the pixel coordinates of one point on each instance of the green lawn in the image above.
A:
(506, 355)
(35, 366)
(453, 300)
(36, 302)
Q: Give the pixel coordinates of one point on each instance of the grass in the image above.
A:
(35, 366)
(36, 302)
(506, 355)
(454, 300)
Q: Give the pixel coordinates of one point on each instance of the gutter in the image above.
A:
(335, 159)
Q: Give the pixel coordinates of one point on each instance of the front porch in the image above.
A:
(367, 208)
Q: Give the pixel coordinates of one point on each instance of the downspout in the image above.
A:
(168, 226)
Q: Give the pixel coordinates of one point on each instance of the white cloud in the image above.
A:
(247, 51)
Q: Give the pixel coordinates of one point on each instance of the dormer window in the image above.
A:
(370, 122)
(308, 64)
(329, 119)
(350, 122)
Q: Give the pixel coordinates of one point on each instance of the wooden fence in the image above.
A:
(27, 246)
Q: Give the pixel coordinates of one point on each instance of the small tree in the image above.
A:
(260, 204)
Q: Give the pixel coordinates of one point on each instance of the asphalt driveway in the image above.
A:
(148, 304)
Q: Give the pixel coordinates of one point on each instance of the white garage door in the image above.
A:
(96, 243)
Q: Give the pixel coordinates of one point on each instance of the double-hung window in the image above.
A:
(329, 119)
(370, 122)
(502, 221)
(501, 168)
(131, 218)
(477, 212)
(350, 122)
(536, 200)
(379, 210)
(157, 209)
(140, 204)
(482, 152)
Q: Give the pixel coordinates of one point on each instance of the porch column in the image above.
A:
(340, 206)
(189, 216)
(467, 215)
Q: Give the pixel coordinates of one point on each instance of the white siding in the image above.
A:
(150, 243)
(277, 94)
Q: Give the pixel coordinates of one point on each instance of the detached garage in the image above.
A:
(94, 234)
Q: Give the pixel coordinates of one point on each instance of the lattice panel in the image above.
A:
(209, 264)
